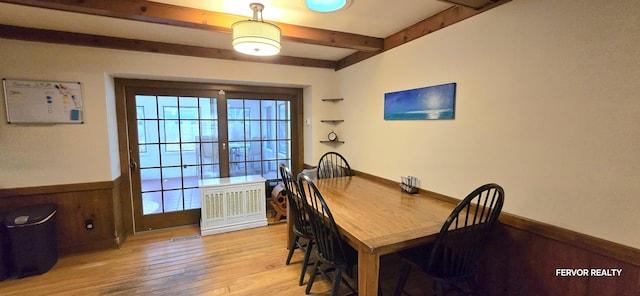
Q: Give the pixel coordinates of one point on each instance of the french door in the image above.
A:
(179, 136)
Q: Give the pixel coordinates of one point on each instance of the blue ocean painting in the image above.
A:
(432, 102)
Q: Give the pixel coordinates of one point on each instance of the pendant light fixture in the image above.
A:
(254, 36)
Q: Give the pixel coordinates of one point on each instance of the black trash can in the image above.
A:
(32, 236)
(5, 255)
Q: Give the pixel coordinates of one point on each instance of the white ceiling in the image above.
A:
(376, 18)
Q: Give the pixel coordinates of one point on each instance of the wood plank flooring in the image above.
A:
(247, 262)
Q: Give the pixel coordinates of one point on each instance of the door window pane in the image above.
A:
(188, 108)
(172, 200)
(189, 132)
(268, 150)
(268, 110)
(190, 176)
(151, 202)
(171, 178)
(253, 130)
(252, 108)
(147, 131)
(169, 132)
(284, 149)
(151, 158)
(235, 110)
(148, 107)
(150, 179)
(236, 130)
(170, 157)
(284, 130)
(208, 108)
(167, 107)
(237, 169)
(209, 153)
(190, 157)
(191, 198)
(209, 129)
(269, 130)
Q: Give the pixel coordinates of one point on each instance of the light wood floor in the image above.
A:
(247, 262)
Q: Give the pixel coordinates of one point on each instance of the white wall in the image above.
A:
(547, 106)
(37, 155)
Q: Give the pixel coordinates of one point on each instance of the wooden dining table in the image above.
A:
(377, 218)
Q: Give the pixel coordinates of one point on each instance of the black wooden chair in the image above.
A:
(333, 165)
(301, 227)
(451, 260)
(333, 253)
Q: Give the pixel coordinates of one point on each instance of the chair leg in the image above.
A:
(439, 287)
(293, 247)
(313, 276)
(402, 280)
(336, 282)
(472, 286)
(307, 254)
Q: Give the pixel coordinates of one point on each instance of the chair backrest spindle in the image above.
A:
(333, 165)
(296, 206)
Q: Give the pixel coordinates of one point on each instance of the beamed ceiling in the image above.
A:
(201, 28)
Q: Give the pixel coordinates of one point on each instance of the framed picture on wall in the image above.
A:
(426, 103)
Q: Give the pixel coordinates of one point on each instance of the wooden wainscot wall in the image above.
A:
(526, 257)
(77, 203)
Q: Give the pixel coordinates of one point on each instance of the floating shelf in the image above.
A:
(332, 121)
(333, 100)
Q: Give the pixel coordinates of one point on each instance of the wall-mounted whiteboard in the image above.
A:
(30, 101)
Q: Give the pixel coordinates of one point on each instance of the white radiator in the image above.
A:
(234, 203)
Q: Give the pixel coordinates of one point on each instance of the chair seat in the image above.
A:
(305, 232)
(416, 256)
(349, 260)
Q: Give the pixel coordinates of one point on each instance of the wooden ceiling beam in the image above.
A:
(427, 26)
(59, 37)
(160, 13)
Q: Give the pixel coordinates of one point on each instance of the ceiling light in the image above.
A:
(254, 36)
(325, 5)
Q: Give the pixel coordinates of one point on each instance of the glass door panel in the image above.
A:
(177, 146)
(259, 136)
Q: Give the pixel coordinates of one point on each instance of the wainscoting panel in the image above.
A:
(520, 262)
(77, 203)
